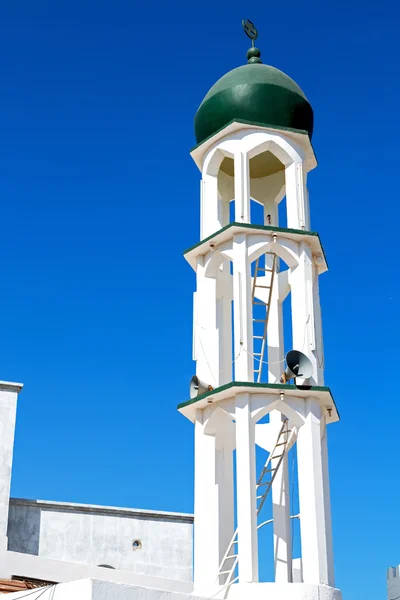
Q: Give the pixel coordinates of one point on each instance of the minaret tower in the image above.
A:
(254, 153)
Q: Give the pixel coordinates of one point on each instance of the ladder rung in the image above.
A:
(231, 556)
(265, 483)
(279, 455)
(258, 320)
(281, 444)
(265, 270)
(258, 337)
(259, 303)
(266, 287)
(257, 354)
(224, 572)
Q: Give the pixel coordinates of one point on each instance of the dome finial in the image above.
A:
(253, 53)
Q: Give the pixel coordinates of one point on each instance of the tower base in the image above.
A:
(281, 591)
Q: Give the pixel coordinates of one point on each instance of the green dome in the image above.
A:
(254, 93)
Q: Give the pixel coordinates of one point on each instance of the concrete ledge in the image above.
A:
(9, 386)
(282, 591)
(103, 510)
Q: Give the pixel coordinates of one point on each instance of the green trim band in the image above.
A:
(232, 384)
(260, 228)
(253, 124)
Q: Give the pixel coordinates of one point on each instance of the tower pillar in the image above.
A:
(243, 321)
(213, 498)
(246, 491)
(303, 330)
(314, 512)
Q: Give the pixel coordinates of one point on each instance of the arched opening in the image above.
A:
(269, 276)
(267, 185)
(278, 508)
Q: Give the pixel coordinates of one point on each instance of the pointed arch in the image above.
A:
(256, 142)
(286, 249)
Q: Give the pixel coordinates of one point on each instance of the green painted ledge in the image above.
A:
(253, 124)
(260, 228)
(267, 386)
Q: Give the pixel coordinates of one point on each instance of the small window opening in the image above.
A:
(136, 545)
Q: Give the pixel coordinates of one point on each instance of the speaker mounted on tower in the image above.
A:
(198, 387)
(297, 365)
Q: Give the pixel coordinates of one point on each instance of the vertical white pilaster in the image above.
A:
(206, 330)
(246, 491)
(295, 191)
(319, 346)
(214, 496)
(206, 543)
(242, 188)
(243, 317)
(226, 445)
(312, 497)
(224, 323)
(275, 336)
(214, 211)
(303, 330)
(307, 221)
(328, 515)
(8, 408)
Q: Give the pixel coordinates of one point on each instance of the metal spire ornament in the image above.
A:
(253, 53)
(250, 30)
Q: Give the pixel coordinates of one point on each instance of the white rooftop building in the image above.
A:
(393, 583)
(254, 154)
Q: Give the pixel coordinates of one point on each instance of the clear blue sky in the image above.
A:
(96, 111)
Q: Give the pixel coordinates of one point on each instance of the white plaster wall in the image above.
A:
(8, 408)
(100, 535)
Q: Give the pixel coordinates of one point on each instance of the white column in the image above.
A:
(280, 486)
(319, 345)
(275, 335)
(206, 333)
(295, 192)
(246, 491)
(307, 222)
(328, 516)
(303, 330)
(242, 188)
(8, 408)
(226, 444)
(224, 323)
(312, 497)
(214, 212)
(242, 311)
(206, 527)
